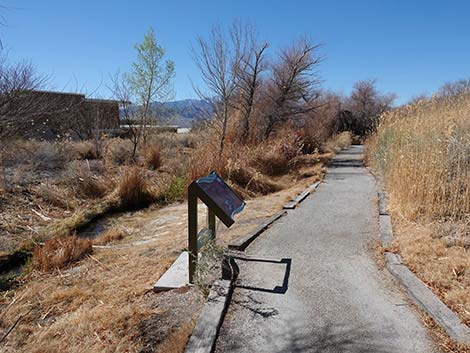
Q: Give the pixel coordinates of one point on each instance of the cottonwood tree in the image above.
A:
(219, 58)
(364, 107)
(147, 85)
(323, 122)
(249, 76)
(293, 87)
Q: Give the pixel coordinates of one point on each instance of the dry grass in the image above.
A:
(54, 196)
(177, 340)
(109, 236)
(92, 308)
(444, 268)
(423, 154)
(118, 152)
(58, 253)
(153, 157)
(252, 170)
(98, 305)
(133, 190)
(81, 218)
(84, 150)
(424, 151)
(339, 142)
(87, 180)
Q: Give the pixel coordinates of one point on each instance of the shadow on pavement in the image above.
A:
(277, 289)
(328, 338)
(345, 162)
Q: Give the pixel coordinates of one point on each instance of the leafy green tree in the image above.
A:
(148, 85)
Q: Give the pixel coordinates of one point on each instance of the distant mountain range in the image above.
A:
(184, 112)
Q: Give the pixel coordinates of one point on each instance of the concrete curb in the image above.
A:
(427, 300)
(242, 243)
(292, 204)
(386, 232)
(416, 289)
(382, 204)
(205, 333)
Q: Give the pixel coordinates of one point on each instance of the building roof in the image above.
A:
(97, 100)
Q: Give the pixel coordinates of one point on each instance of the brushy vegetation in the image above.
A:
(270, 125)
(81, 190)
(133, 190)
(57, 253)
(109, 236)
(423, 153)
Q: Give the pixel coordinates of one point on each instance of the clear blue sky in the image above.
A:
(411, 47)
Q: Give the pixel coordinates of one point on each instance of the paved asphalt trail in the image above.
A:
(323, 292)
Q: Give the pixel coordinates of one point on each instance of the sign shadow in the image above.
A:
(279, 289)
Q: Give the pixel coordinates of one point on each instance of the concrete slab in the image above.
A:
(333, 298)
(176, 276)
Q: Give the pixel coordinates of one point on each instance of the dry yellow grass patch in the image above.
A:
(57, 253)
(443, 268)
(98, 305)
(94, 307)
(423, 153)
(176, 342)
(340, 141)
(109, 236)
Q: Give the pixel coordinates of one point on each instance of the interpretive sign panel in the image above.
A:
(222, 202)
(221, 194)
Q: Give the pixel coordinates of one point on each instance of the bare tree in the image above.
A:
(364, 107)
(294, 84)
(219, 58)
(453, 88)
(323, 122)
(19, 106)
(252, 66)
(122, 92)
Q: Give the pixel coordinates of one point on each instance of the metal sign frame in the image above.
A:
(195, 192)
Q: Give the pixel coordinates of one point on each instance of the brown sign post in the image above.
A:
(220, 200)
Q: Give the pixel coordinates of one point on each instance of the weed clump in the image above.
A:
(119, 152)
(109, 236)
(153, 157)
(133, 190)
(48, 157)
(58, 253)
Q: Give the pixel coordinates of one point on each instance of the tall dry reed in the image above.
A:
(423, 150)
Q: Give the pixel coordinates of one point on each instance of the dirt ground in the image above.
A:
(105, 303)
